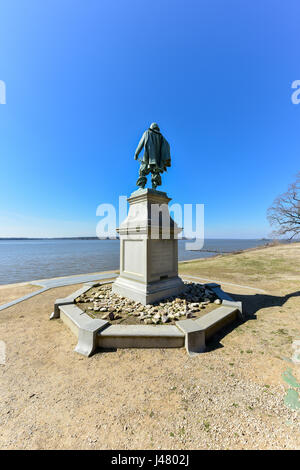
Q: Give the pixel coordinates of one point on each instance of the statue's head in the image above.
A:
(154, 126)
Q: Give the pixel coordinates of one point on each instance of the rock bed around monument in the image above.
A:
(194, 302)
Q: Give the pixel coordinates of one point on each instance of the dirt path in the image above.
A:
(15, 291)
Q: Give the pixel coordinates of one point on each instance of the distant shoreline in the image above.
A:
(55, 238)
(117, 238)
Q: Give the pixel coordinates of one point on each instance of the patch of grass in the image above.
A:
(281, 331)
(269, 262)
(206, 425)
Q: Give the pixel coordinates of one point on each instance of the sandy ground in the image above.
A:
(14, 291)
(230, 397)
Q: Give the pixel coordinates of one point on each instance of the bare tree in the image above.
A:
(285, 212)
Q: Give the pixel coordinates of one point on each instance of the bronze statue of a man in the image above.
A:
(156, 156)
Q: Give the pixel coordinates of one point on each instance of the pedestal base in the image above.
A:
(148, 293)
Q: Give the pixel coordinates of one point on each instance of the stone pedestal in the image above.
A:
(149, 249)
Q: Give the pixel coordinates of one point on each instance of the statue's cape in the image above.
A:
(165, 155)
(157, 150)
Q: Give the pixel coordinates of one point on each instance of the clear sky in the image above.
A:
(85, 78)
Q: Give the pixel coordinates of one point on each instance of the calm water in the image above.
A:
(26, 260)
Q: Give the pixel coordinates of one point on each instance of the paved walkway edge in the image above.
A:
(221, 282)
(21, 299)
(59, 282)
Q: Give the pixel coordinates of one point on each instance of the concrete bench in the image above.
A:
(141, 336)
(84, 327)
(217, 319)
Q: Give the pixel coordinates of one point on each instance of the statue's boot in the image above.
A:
(142, 181)
(143, 172)
(155, 179)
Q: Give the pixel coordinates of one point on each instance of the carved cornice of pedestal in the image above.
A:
(150, 195)
(150, 231)
(144, 218)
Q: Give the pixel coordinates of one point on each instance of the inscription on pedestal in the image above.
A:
(162, 256)
(133, 256)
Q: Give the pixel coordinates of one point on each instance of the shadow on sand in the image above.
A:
(251, 305)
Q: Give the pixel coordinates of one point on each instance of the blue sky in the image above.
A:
(84, 79)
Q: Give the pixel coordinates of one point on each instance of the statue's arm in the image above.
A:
(140, 146)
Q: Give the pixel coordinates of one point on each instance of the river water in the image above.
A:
(26, 260)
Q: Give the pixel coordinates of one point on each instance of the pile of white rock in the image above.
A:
(186, 305)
